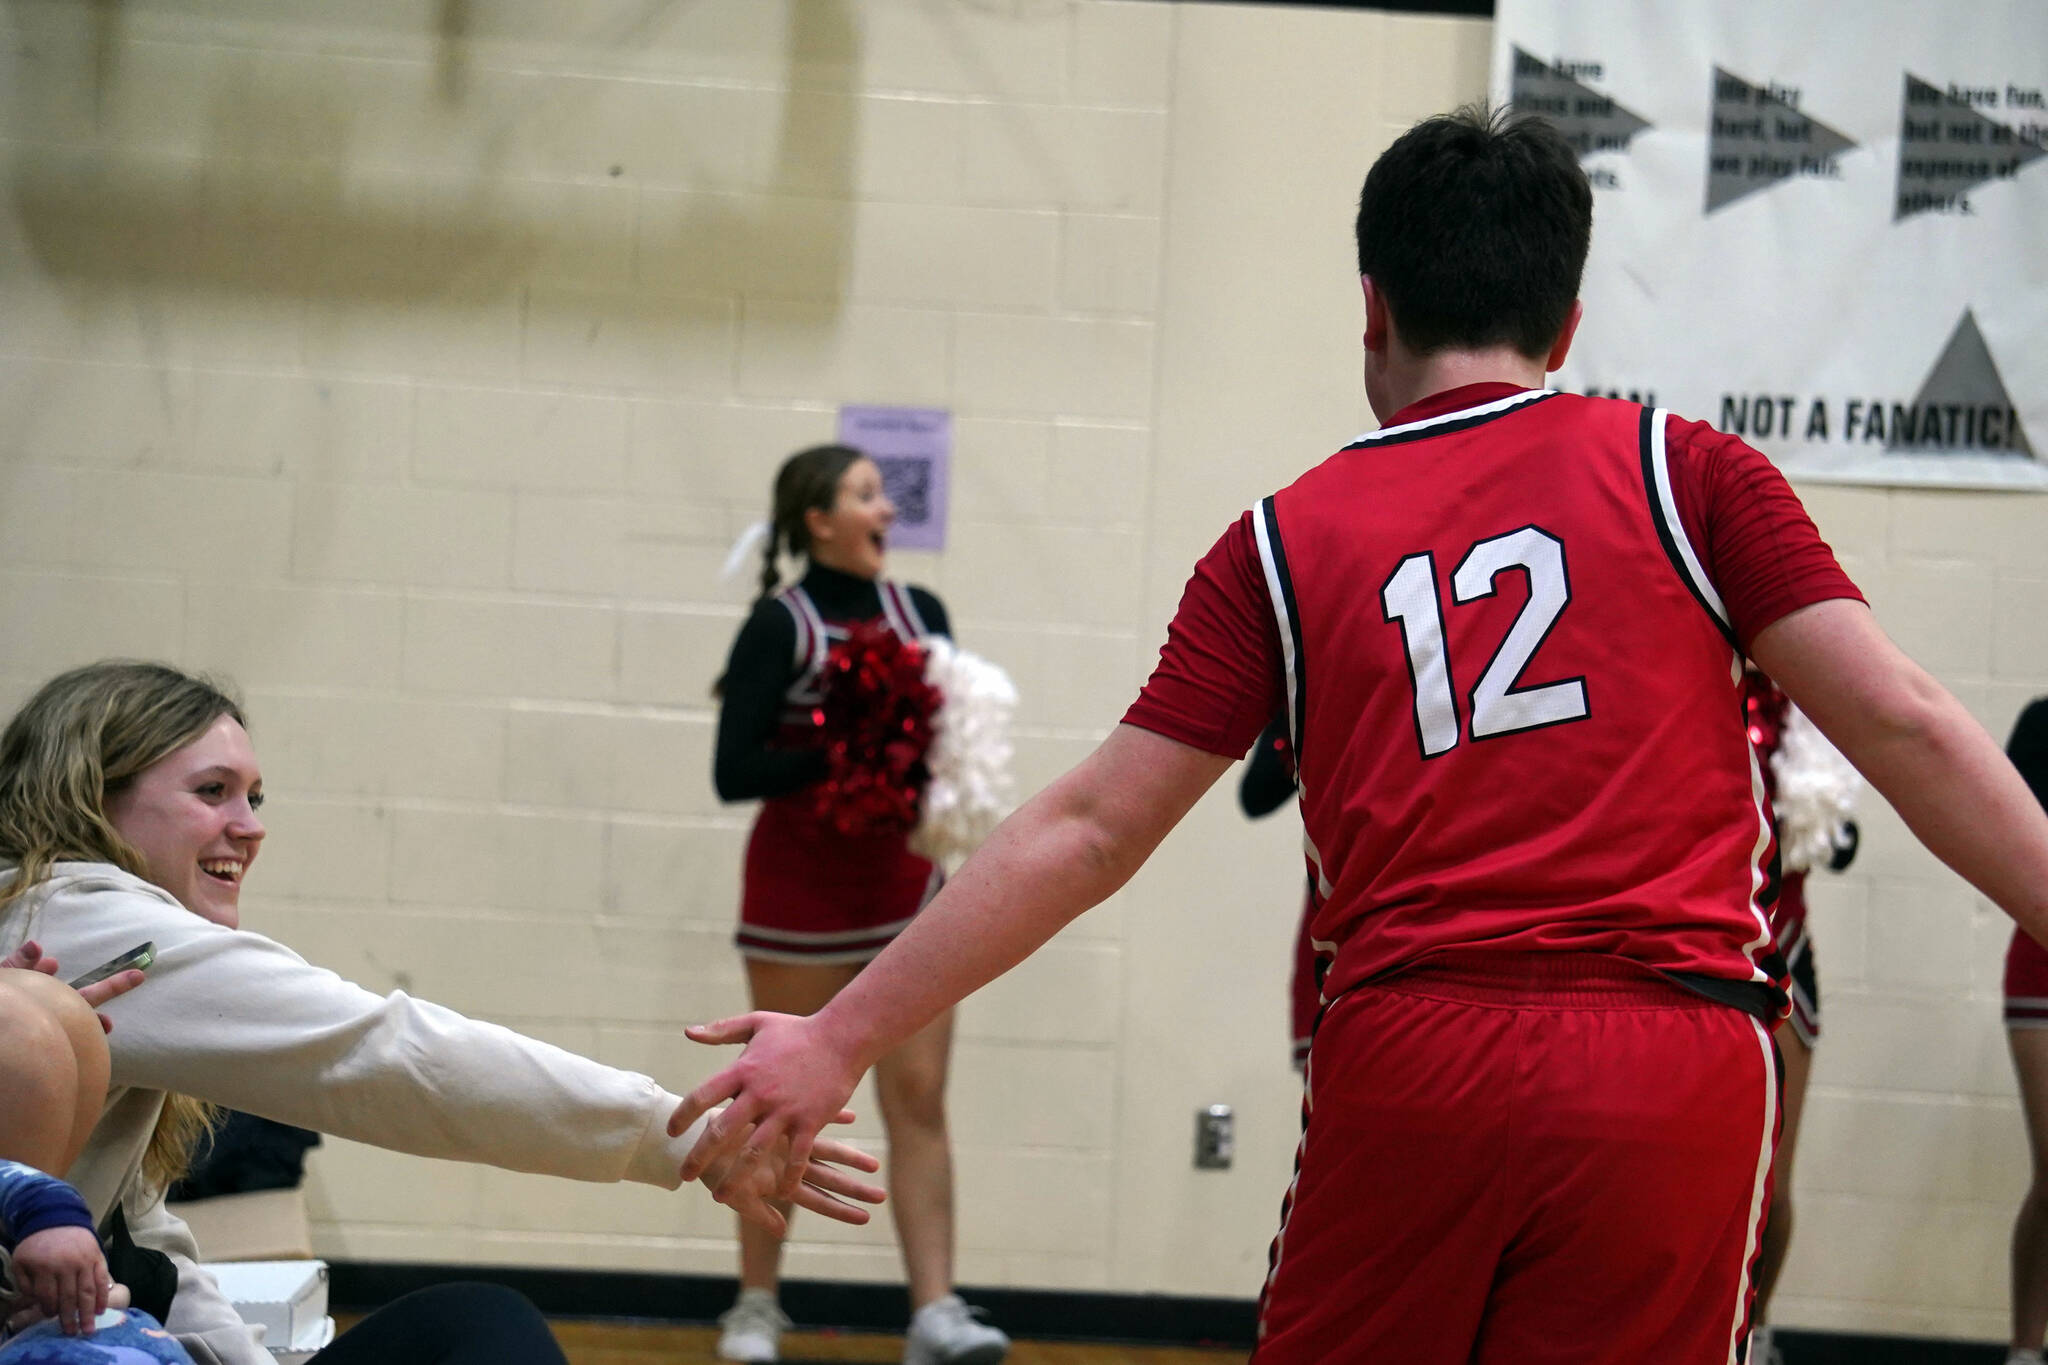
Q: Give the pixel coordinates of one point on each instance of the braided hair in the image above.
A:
(808, 480)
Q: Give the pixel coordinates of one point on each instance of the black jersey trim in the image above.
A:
(1281, 584)
(1670, 530)
(1463, 420)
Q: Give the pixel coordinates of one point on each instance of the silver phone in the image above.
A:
(137, 958)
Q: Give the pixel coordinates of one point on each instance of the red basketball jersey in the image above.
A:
(1515, 698)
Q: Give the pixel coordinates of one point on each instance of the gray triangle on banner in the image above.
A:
(1963, 406)
(1947, 148)
(1757, 137)
(1590, 121)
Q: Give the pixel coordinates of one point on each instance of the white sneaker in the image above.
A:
(948, 1332)
(752, 1328)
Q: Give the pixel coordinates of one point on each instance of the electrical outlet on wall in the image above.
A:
(1215, 1138)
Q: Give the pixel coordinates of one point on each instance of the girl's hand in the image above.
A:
(62, 1271)
(100, 992)
(30, 957)
(746, 1182)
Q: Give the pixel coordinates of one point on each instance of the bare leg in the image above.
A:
(2030, 1228)
(786, 988)
(53, 1069)
(911, 1086)
(1778, 1228)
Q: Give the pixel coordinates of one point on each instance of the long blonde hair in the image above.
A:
(82, 737)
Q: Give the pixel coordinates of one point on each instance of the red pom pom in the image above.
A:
(1763, 708)
(875, 723)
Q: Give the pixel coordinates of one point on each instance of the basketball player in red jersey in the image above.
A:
(1540, 1106)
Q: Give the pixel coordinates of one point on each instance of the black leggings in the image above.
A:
(449, 1324)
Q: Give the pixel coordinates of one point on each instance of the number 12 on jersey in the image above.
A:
(1498, 707)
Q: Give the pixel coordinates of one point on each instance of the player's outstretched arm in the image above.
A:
(1066, 849)
(1919, 747)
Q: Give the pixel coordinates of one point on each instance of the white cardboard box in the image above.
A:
(299, 1352)
(287, 1299)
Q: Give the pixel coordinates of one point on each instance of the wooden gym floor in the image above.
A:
(629, 1343)
(609, 1343)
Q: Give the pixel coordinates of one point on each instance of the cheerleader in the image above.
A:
(2026, 1024)
(1267, 784)
(818, 903)
(1810, 786)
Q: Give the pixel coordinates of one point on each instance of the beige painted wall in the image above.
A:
(414, 362)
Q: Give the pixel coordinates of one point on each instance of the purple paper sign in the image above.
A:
(912, 446)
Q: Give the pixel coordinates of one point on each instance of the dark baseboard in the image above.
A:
(1043, 1314)
(1844, 1348)
(1040, 1314)
(1482, 8)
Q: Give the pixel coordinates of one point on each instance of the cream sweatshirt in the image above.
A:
(230, 1016)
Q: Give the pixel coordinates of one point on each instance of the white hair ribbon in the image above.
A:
(743, 549)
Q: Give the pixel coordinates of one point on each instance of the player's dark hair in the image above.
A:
(1474, 226)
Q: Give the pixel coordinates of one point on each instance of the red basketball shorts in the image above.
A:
(1525, 1160)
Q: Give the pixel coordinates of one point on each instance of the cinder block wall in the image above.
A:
(414, 363)
(1914, 1155)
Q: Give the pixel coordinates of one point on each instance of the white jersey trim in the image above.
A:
(1757, 1192)
(1689, 560)
(1282, 617)
(1289, 1200)
(1315, 862)
(1759, 873)
(1462, 414)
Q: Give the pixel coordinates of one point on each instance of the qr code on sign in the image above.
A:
(907, 479)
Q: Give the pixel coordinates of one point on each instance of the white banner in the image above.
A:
(1820, 227)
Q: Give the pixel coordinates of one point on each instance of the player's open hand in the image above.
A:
(61, 1271)
(790, 1082)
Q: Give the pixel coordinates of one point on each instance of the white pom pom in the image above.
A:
(1816, 795)
(969, 758)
